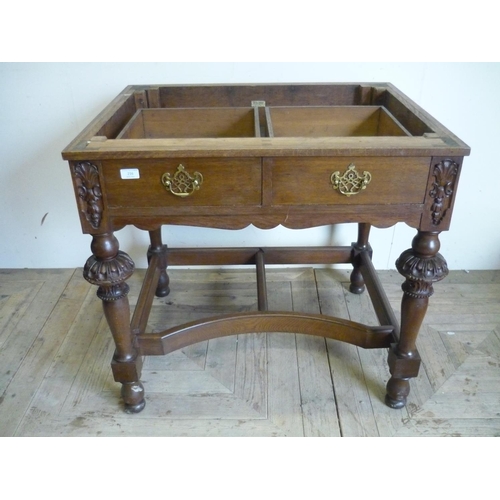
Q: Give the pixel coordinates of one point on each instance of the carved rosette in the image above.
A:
(108, 272)
(445, 174)
(110, 275)
(88, 188)
(420, 273)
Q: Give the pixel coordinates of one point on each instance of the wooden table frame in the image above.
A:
(299, 155)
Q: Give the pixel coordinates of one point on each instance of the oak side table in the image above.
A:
(299, 155)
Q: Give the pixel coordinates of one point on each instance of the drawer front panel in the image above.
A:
(308, 181)
(195, 182)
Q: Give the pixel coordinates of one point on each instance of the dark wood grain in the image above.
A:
(228, 156)
(274, 321)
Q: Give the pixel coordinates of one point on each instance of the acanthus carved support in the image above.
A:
(108, 267)
(445, 175)
(422, 266)
(88, 188)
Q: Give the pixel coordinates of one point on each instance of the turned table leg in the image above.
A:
(157, 248)
(108, 268)
(421, 265)
(357, 283)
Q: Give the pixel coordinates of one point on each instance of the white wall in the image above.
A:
(43, 106)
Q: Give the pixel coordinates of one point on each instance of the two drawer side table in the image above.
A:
(297, 155)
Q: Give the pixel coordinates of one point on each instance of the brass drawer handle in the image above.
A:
(350, 182)
(182, 183)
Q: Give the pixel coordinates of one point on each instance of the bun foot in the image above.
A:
(135, 408)
(397, 392)
(396, 404)
(133, 397)
(163, 289)
(357, 289)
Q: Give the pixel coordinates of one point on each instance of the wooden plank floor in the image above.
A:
(55, 350)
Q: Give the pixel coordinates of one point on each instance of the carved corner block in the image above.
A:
(440, 194)
(89, 195)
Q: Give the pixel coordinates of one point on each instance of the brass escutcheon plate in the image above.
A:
(350, 182)
(182, 183)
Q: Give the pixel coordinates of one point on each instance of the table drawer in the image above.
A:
(311, 181)
(183, 182)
